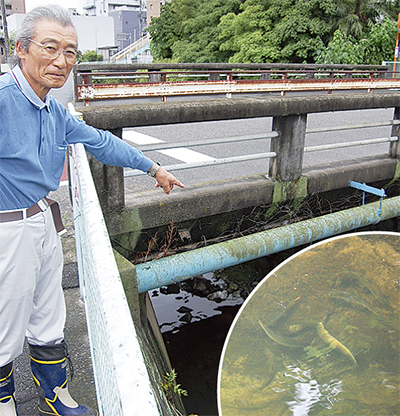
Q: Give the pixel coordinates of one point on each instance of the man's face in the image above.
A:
(42, 73)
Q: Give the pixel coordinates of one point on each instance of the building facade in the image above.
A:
(17, 6)
(153, 9)
(104, 7)
(12, 7)
(129, 26)
(93, 32)
(2, 50)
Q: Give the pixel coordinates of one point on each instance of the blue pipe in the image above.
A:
(165, 271)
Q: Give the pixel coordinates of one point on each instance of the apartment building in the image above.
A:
(154, 9)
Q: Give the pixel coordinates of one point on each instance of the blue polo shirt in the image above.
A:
(33, 139)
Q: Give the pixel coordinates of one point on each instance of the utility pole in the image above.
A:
(396, 49)
(140, 19)
(7, 40)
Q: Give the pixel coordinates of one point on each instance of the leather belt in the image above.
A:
(19, 214)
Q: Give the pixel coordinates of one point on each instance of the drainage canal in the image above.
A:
(195, 316)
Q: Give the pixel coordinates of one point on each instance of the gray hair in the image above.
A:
(27, 30)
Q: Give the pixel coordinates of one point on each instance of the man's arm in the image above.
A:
(111, 150)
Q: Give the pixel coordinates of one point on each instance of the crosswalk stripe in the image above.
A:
(181, 153)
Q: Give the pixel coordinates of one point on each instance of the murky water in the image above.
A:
(320, 336)
(194, 327)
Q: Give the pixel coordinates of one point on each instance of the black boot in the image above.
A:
(49, 370)
(8, 406)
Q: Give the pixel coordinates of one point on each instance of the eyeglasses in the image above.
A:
(51, 50)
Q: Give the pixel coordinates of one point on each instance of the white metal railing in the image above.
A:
(133, 47)
(258, 156)
(163, 90)
(117, 357)
(118, 362)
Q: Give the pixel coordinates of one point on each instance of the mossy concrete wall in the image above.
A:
(150, 211)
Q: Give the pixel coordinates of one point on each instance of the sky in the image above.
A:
(30, 4)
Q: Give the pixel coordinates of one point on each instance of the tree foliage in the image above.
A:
(376, 47)
(91, 56)
(277, 30)
(187, 30)
(331, 31)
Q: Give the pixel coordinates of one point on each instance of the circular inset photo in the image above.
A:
(319, 335)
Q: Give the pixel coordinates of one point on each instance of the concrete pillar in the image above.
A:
(154, 77)
(214, 76)
(109, 182)
(289, 147)
(394, 149)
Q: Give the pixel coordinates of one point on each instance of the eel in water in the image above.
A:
(333, 342)
(280, 339)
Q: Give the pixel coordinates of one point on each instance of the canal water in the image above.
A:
(319, 335)
(349, 287)
(195, 326)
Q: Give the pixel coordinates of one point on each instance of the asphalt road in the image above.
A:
(183, 132)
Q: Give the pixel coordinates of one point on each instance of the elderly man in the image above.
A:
(34, 132)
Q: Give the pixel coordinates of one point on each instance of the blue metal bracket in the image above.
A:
(371, 190)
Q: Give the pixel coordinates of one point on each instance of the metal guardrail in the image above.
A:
(162, 80)
(273, 134)
(164, 90)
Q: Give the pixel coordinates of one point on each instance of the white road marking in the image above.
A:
(181, 153)
(139, 138)
(186, 155)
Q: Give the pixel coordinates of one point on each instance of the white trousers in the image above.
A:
(32, 301)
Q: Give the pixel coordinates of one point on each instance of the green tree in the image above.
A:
(200, 41)
(381, 42)
(343, 49)
(376, 47)
(187, 30)
(354, 16)
(277, 30)
(243, 35)
(389, 8)
(91, 56)
(274, 31)
(166, 29)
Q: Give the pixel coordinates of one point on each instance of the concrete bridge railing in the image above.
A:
(289, 121)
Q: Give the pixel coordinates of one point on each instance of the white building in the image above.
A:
(103, 7)
(93, 32)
